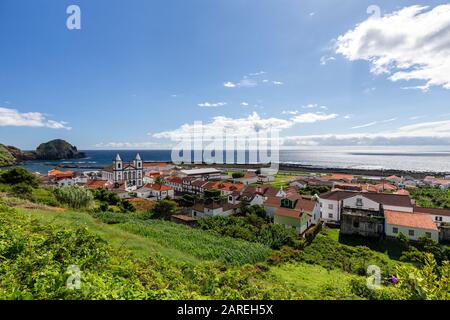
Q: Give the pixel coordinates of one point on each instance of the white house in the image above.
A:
(157, 191)
(412, 225)
(214, 209)
(439, 216)
(333, 203)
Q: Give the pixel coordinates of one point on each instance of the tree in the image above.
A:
(19, 175)
(164, 209)
(160, 180)
(237, 175)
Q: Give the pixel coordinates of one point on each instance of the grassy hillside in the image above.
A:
(157, 237)
(6, 158)
(136, 259)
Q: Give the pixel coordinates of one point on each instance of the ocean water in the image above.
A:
(431, 159)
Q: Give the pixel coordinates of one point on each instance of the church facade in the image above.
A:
(131, 173)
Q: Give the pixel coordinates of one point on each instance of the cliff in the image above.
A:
(52, 150)
(57, 150)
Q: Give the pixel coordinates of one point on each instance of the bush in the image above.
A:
(431, 282)
(276, 236)
(18, 175)
(74, 197)
(22, 190)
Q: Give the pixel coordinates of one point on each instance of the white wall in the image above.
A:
(367, 204)
(405, 230)
(326, 210)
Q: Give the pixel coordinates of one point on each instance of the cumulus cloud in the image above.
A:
(12, 117)
(254, 123)
(410, 44)
(244, 104)
(212, 104)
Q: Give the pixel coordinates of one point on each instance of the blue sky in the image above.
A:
(137, 71)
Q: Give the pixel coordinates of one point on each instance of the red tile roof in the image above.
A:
(158, 187)
(98, 184)
(433, 211)
(412, 220)
(155, 164)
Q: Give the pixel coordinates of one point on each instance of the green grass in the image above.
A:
(314, 282)
(201, 244)
(331, 251)
(167, 239)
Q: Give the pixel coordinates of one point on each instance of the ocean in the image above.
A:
(420, 159)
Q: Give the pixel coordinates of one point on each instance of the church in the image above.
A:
(119, 172)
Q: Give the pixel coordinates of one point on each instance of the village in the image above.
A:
(375, 207)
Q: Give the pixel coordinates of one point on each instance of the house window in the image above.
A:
(428, 234)
(395, 230)
(330, 215)
(359, 203)
(330, 206)
(438, 219)
(411, 233)
(355, 224)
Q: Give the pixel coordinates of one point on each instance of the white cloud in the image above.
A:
(291, 112)
(325, 59)
(229, 84)
(125, 145)
(371, 124)
(12, 117)
(427, 133)
(314, 117)
(212, 104)
(241, 126)
(365, 125)
(255, 74)
(410, 44)
(244, 104)
(348, 116)
(251, 80)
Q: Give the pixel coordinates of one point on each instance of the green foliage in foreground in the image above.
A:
(201, 244)
(34, 258)
(431, 282)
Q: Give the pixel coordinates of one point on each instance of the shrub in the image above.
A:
(18, 175)
(22, 190)
(276, 236)
(428, 283)
(74, 197)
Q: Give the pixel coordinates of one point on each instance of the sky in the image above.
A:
(139, 73)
